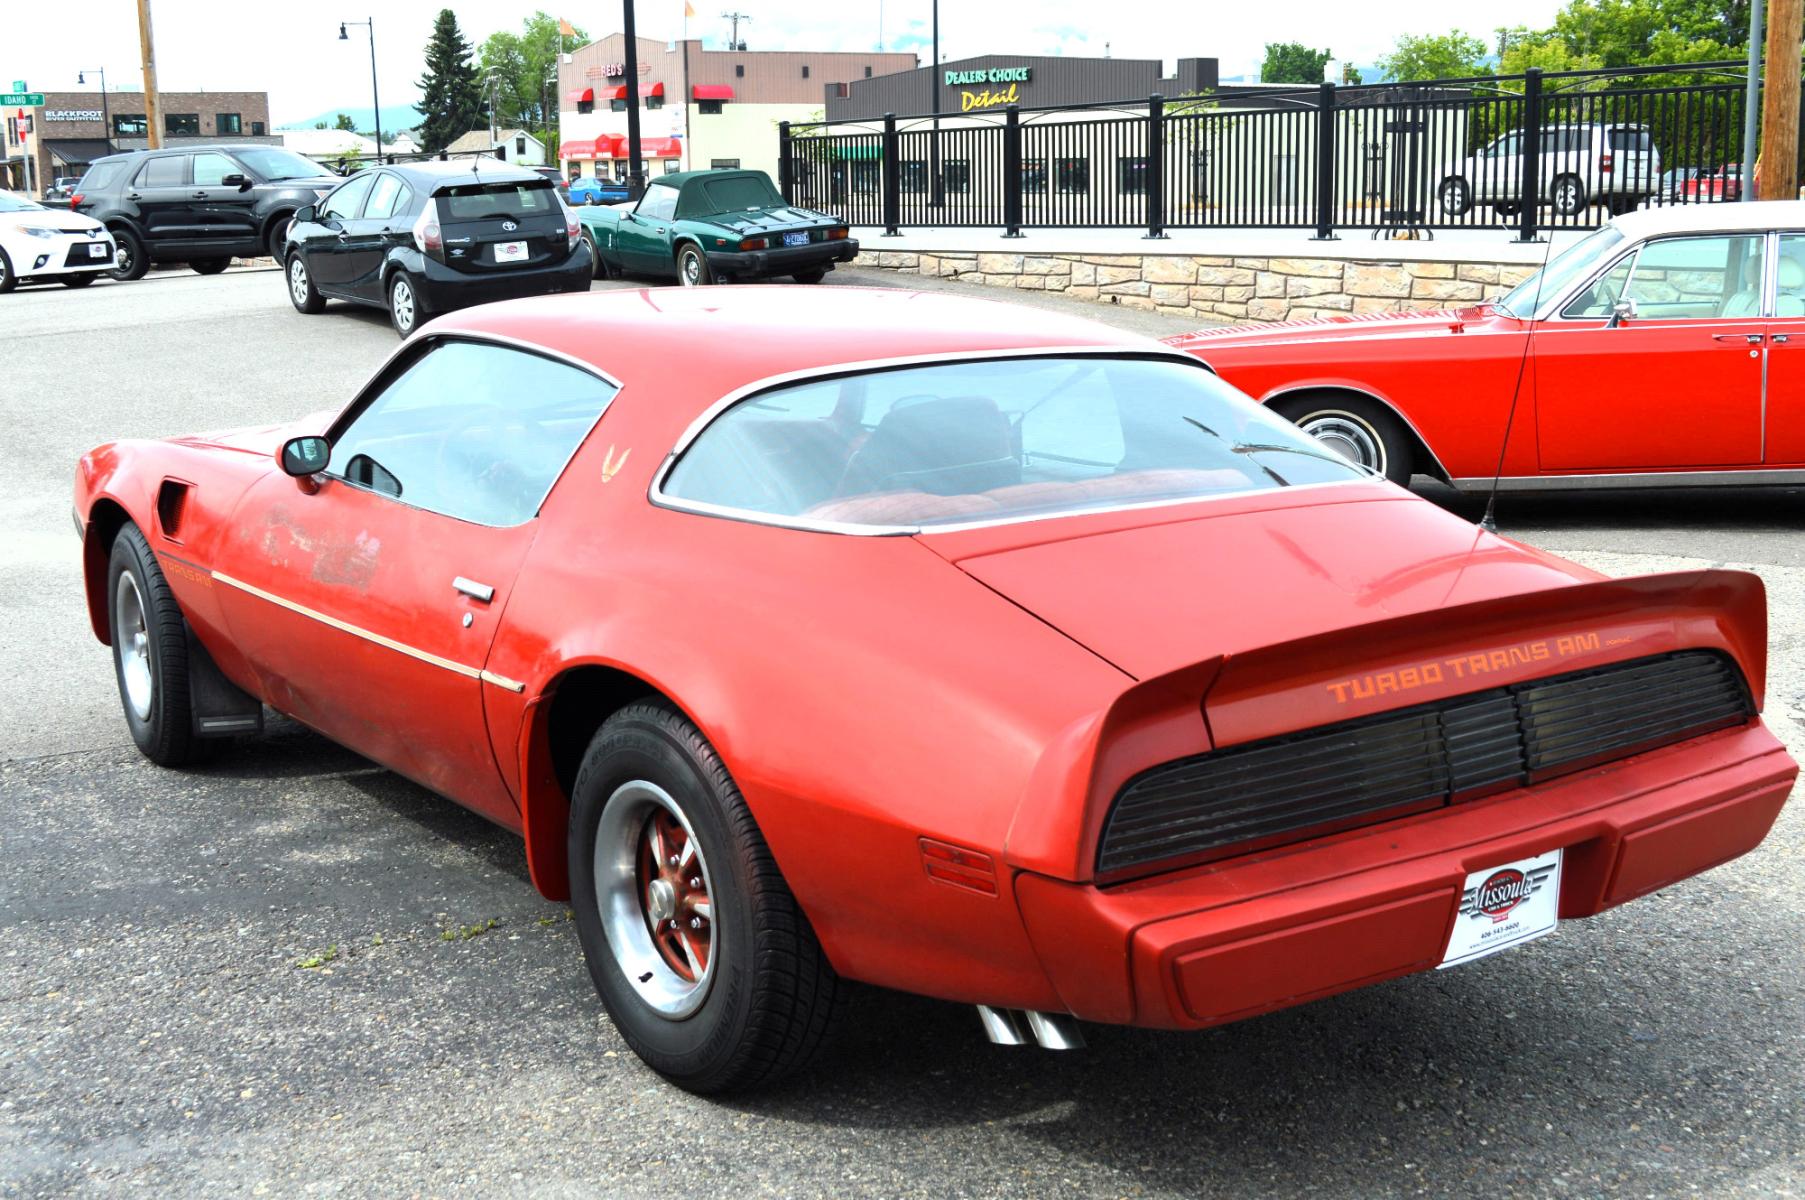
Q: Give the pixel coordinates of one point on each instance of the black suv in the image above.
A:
(429, 237)
(204, 205)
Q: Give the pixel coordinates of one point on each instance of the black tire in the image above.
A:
(1360, 429)
(8, 280)
(692, 266)
(405, 311)
(129, 258)
(769, 998)
(210, 266)
(597, 268)
(301, 292)
(815, 276)
(1455, 196)
(1568, 195)
(277, 243)
(77, 281)
(150, 647)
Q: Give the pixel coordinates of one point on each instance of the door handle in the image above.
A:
(482, 593)
(1780, 339)
(200, 195)
(1752, 339)
(134, 196)
(344, 235)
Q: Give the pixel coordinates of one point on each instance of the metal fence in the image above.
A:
(1526, 152)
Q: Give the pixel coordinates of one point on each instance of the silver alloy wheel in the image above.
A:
(689, 268)
(297, 281)
(1454, 197)
(401, 301)
(654, 899)
(1567, 196)
(122, 255)
(1348, 435)
(131, 645)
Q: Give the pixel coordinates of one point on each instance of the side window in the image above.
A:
(1789, 277)
(211, 169)
(387, 197)
(169, 171)
(1600, 300)
(471, 431)
(348, 200)
(660, 203)
(1508, 146)
(1698, 277)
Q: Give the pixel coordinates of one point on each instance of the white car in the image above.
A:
(50, 243)
(1616, 165)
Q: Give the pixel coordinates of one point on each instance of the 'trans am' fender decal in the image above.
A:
(1467, 666)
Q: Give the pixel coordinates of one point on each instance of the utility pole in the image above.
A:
(1780, 102)
(636, 174)
(153, 106)
(733, 38)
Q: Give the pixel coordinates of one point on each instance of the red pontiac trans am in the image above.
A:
(1667, 349)
(934, 643)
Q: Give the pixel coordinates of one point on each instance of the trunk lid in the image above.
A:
(503, 226)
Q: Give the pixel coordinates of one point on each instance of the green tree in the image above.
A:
(525, 68)
(344, 122)
(1454, 55)
(451, 98)
(1293, 62)
(1631, 33)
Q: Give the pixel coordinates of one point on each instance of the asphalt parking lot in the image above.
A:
(158, 1033)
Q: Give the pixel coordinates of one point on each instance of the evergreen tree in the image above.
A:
(1293, 62)
(451, 97)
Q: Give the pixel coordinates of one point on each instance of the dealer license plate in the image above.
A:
(510, 252)
(97, 250)
(1506, 906)
(795, 239)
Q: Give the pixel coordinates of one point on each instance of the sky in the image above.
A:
(294, 52)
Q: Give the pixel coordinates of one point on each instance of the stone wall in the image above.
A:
(1223, 287)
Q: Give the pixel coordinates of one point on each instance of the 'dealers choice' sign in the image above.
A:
(989, 97)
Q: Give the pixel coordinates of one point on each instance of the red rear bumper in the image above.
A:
(1252, 935)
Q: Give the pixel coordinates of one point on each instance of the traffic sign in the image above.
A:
(28, 99)
(19, 85)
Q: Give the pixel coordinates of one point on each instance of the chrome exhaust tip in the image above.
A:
(1018, 1027)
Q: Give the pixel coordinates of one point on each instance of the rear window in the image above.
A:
(169, 171)
(100, 175)
(988, 441)
(1633, 140)
(486, 201)
(743, 191)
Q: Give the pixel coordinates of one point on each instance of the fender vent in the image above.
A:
(172, 499)
(1335, 777)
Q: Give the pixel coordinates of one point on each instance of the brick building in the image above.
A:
(72, 129)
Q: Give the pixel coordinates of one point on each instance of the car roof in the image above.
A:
(1754, 216)
(166, 151)
(691, 346)
(485, 170)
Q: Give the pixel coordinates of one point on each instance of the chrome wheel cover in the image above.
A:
(689, 269)
(297, 281)
(131, 647)
(1454, 197)
(401, 299)
(122, 255)
(1348, 435)
(653, 911)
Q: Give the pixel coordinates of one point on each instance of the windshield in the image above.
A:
(1570, 266)
(740, 192)
(12, 203)
(995, 440)
(276, 165)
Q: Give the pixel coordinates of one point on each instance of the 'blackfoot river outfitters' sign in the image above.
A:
(989, 97)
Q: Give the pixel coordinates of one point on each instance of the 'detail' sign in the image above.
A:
(989, 97)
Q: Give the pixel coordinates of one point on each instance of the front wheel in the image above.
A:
(129, 259)
(1569, 196)
(404, 304)
(1456, 197)
(8, 280)
(210, 266)
(1366, 432)
(150, 653)
(704, 960)
(278, 238)
(692, 266)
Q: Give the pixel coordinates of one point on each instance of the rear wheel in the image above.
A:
(210, 266)
(150, 654)
(405, 312)
(301, 292)
(692, 266)
(77, 281)
(705, 962)
(278, 238)
(1456, 197)
(129, 259)
(1569, 196)
(1358, 429)
(815, 276)
(8, 281)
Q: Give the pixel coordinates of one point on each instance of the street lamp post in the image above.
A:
(106, 117)
(375, 98)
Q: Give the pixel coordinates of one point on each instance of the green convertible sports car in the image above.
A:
(712, 227)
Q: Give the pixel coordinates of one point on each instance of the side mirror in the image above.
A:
(303, 458)
(305, 213)
(1623, 310)
(237, 181)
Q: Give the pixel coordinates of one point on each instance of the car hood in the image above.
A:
(258, 439)
(1345, 327)
(51, 218)
(1156, 596)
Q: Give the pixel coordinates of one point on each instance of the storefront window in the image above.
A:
(228, 123)
(130, 125)
(1034, 175)
(671, 165)
(915, 176)
(1131, 175)
(182, 124)
(1074, 174)
(957, 176)
(866, 176)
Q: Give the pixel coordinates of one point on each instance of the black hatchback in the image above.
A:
(426, 238)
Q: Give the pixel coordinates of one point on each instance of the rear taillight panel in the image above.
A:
(427, 235)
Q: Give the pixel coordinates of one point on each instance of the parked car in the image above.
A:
(60, 189)
(41, 243)
(1674, 181)
(586, 189)
(430, 237)
(716, 226)
(203, 206)
(939, 644)
(1663, 350)
(1580, 165)
(1716, 183)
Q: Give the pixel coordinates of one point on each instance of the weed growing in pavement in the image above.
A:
(319, 959)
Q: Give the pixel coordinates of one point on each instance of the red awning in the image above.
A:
(582, 95)
(618, 92)
(711, 91)
(662, 148)
(578, 149)
(651, 89)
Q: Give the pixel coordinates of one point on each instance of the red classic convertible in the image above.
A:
(934, 643)
(1666, 349)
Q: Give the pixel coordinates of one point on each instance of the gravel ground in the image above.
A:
(159, 1031)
